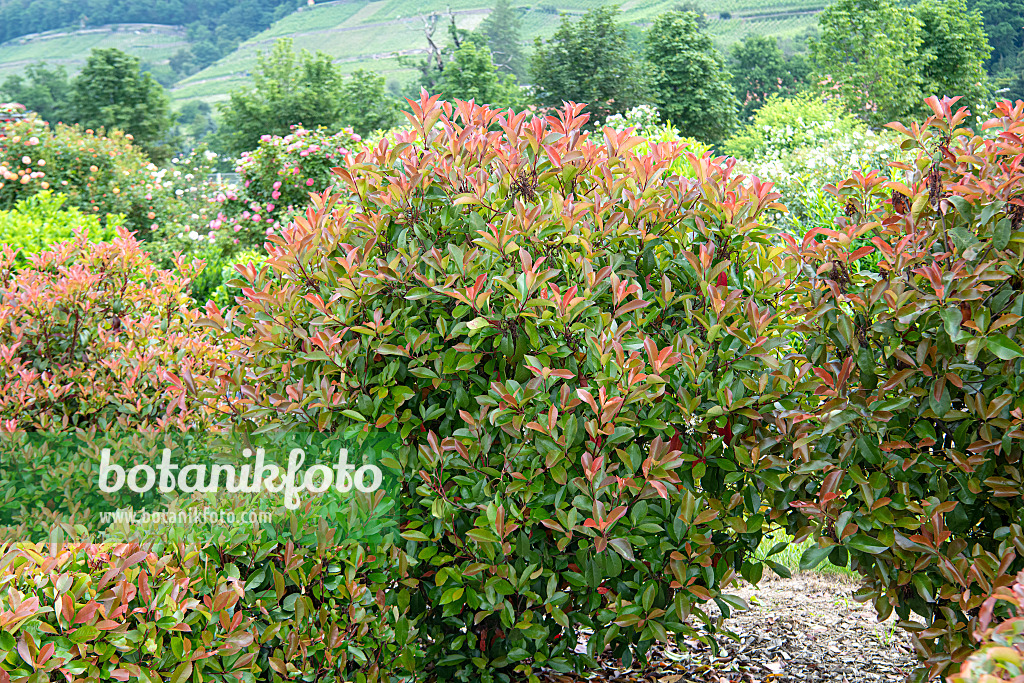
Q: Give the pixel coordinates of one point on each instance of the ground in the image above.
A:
(806, 628)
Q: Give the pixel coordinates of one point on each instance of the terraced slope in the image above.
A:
(150, 42)
(372, 34)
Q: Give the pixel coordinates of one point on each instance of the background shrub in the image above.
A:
(101, 175)
(275, 182)
(38, 221)
(804, 144)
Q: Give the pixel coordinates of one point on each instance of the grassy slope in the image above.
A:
(149, 42)
(367, 34)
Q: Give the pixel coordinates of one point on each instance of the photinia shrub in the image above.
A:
(92, 334)
(1001, 657)
(252, 611)
(907, 462)
(579, 350)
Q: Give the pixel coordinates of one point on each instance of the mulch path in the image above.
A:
(803, 629)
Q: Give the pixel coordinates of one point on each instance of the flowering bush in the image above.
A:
(101, 175)
(275, 181)
(11, 111)
(804, 144)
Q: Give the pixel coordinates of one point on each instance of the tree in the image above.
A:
(760, 69)
(112, 92)
(690, 82)
(195, 122)
(44, 91)
(471, 75)
(954, 50)
(1004, 26)
(439, 54)
(501, 30)
(365, 106)
(287, 91)
(588, 60)
(869, 56)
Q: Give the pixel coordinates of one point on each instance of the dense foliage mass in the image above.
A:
(609, 364)
(912, 455)
(1001, 657)
(507, 301)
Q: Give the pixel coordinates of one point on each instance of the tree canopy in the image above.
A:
(589, 60)
(690, 83)
(288, 90)
(112, 92)
(44, 91)
(869, 56)
(502, 31)
(760, 69)
(953, 51)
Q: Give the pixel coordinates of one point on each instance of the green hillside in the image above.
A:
(369, 34)
(152, 43)
(361, 34)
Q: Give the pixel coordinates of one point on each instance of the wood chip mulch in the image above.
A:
(803, 629)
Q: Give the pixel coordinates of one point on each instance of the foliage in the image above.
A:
(569, 361)
(869, 57)
(760, 69)
(804, 144)
(366, 107)
(47, 92)
(954, 50)
(79, 329)
(287, 91)
(908, 461)
(113, 93)
(224, 21)
(226, 294)
(40, 220)
(1004, 27)
(501, 31)
(646, 122)
(471, 75)
(786, 124)
(1001, 657)
(249, 611)
(588, 60)
(690, 83)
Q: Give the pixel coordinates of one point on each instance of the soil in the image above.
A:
(806, 628)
